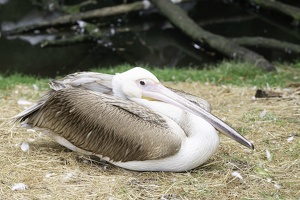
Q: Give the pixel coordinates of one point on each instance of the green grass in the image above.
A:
(239, 74)
(8, 82)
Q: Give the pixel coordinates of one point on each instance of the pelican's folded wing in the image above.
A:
(105, 125)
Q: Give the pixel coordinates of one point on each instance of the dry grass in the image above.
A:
(52, 172)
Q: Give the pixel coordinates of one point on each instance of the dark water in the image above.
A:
(152, 40)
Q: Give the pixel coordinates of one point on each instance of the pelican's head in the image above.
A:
(132, 83)
(140, 83)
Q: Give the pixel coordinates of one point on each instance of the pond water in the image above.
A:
(150, 39)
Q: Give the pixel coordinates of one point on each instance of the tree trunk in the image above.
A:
(181, 20)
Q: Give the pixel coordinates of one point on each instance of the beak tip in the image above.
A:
(251, 146)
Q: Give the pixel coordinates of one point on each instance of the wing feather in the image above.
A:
(82, 80)
(85, 80)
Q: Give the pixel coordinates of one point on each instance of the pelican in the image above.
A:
(129, 120)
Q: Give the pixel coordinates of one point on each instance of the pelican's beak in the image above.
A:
(161, 93)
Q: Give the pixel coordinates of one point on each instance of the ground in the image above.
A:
(271, 171)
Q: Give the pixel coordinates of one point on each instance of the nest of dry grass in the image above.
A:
(51, 171)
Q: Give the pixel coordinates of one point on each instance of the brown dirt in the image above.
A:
(52, 172)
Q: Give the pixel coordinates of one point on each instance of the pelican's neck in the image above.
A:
(199, 140)
(117, 86)
(190, 123)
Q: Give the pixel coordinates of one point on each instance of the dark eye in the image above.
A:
(142, 83)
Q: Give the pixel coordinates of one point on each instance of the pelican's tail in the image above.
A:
(22, 116)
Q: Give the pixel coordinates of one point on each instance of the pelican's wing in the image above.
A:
(105, 125)
(85, 80)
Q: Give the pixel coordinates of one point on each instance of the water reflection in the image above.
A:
(3, 1)
(33, 39)
(140, 38)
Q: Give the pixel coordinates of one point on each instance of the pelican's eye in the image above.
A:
(142, 83)
(145, 83)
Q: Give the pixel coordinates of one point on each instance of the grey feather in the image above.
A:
(85, 80)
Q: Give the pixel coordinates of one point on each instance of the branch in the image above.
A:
(67, 41)
(289, 32)
(291, 11)
(182, 21)
(267, 42)
(225, 20)
(72, 18)
(97, 13)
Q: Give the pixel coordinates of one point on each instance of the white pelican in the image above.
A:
(130, 120)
